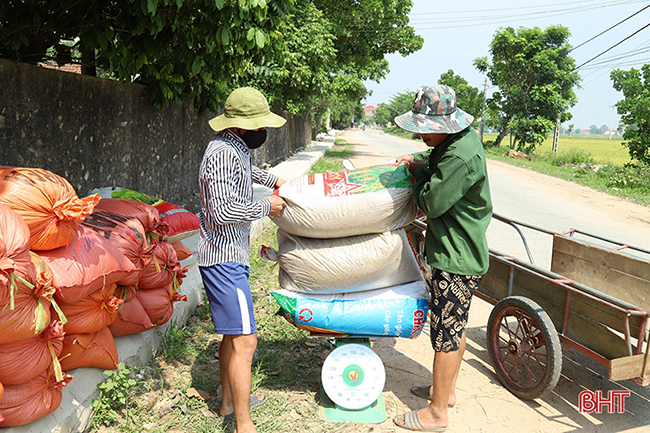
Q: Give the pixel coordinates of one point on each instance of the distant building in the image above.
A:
(369, 110)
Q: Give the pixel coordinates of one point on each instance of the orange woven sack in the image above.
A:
(23, 360)
(89, 263)
(92, 313)
(149, 217)
(163, 269)
(47, 203)
(127, 234)
(126, 293)
(159, 303)
(131, 319)
(96, 349)
(2, 391)
(29, 313)
(27, 402)
(182, 251)
(15, 261)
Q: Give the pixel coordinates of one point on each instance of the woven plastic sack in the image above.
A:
(398, 311)
(27, 402)
(21, 361)
(47, 203)
(182, 223)
(182, 251)
(131, 319)
(127, 234)
(345, 265)
(154, 227)
(373, 199)
(164, 269)
(96, 349)
(88, 264)
(159, 303)
(92, 313)
(15, 260)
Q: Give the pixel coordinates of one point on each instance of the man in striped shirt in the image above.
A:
(226, 181)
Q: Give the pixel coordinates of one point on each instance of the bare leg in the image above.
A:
(236, 359)
(452, 394)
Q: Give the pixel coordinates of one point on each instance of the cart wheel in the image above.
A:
(524, 347)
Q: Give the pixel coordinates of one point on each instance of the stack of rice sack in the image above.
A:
(68, 269)
(346, 263)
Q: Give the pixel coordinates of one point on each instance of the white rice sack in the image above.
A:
(373, 199)
(398, 311)
(345, 265)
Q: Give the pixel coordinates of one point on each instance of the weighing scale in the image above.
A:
(353, 378)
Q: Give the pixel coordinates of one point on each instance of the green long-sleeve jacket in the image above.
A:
(452, 189)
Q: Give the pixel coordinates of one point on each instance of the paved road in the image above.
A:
(545, 202)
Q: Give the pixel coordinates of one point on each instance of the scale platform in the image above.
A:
(352, 381)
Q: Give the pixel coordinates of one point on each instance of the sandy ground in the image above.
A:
(484, 405)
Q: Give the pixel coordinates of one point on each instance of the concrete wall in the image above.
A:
(96, 133)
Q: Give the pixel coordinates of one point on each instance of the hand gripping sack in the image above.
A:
(345, 265)
(398, 311)
(182, 223)
(15, 259)
(47, 203)
(27, 402)
(373, 199)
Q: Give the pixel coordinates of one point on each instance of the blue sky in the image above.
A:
(455, 33)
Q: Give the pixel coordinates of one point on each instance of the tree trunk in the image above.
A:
(88, 62)
(500, 137)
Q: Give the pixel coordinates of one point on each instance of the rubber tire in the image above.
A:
(551, 342)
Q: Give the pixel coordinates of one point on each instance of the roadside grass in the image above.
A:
(596, 162)
(180, 389)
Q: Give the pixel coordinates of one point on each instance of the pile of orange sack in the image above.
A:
(74, 274)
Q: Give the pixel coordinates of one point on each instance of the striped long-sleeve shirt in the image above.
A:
(226, 181)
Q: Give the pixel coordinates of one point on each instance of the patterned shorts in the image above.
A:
(450, 299)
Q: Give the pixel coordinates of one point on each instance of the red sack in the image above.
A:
(15, 260)
(182, 251)
(47, 203)
(92, 313)
(126, 234)
(182, 223)
(163, 269)
(30, 313)
(2, 391)
(23, 360)
(131, 319)
(159, 303)
(27, 402)
(96, 349)
(126, 293)
(89, 263)
(143, 212)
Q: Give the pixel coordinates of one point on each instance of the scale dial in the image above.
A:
(353, 376)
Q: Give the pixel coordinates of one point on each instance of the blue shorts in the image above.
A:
(229, 294)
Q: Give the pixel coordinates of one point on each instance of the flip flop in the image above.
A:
(423, 392)
(254, 402)
(412, 422)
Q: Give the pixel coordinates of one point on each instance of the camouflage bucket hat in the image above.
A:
(435, 112)
(248, 109)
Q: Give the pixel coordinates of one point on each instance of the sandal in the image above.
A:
(412, 422)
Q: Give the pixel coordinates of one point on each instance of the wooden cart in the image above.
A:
(595, 299)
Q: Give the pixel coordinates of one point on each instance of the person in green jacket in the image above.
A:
(450, 185)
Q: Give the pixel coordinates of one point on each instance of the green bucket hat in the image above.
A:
(435, 112)
(246, 108)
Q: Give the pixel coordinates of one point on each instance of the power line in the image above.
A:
(605, 31)
(613, 46)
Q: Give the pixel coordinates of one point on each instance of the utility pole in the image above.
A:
(483, 110)
(611, 123)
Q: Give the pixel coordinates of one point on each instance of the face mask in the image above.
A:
(254, 139)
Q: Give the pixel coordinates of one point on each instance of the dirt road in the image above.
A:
(484, 404)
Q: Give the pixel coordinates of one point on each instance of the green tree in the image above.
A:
(570, 128)
(594, 130)
(399, 103)
(175, 47)
(536, 78)
(468, 97)
(634, 109)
